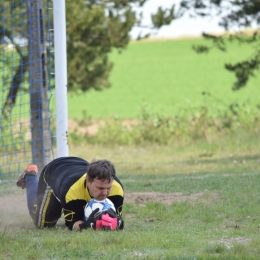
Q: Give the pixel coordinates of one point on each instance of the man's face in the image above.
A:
(99, 189)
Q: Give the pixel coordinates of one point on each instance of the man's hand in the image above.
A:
(120, 222)
(76, 225)
(109, 220)
(105, 220)
(91, 221)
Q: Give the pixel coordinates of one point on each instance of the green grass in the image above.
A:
(215, 214)
(223, 223)
(231, 154)
(169, 76)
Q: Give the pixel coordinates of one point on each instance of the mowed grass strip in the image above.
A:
(214, 216)
(169, 76)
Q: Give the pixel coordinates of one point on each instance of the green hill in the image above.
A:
(167, 75)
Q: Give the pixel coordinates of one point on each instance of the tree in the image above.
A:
(234, 16)
(96, 27)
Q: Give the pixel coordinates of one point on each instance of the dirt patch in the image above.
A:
(91, 127)
(14, 211)
(166, 198)
(229, 242)
(13, 203)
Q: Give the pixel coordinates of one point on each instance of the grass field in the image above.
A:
(169, 76)
(195, 202)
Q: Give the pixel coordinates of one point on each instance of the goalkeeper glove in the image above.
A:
(110, 221)
(105, 220)
(91, 221)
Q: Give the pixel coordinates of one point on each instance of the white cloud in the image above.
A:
(184, 26)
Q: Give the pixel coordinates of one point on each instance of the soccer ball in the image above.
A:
(101, 205)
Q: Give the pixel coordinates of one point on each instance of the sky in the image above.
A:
(182, 27)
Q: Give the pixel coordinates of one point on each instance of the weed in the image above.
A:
(161, 129)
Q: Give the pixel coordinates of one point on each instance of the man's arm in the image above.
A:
(106, 220)
(74, 214)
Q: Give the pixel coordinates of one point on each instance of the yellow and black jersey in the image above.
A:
(66, 177)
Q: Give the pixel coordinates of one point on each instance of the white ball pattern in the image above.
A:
(101, 205)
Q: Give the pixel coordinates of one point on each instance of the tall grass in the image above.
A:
(186, 127)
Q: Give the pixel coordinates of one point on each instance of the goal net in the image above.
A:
(26, 86)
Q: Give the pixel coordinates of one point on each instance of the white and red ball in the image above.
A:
(101, 205)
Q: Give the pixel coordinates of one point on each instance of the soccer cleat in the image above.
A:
(31, 169)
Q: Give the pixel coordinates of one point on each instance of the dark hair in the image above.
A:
(102, 170)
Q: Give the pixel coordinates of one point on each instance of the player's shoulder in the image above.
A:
(117, 188)
(118, 182)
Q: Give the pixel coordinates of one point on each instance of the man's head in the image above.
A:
(100, 176)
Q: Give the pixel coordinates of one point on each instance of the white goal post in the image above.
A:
(60, 54)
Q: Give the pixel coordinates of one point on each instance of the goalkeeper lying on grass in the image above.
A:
(66, 185)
